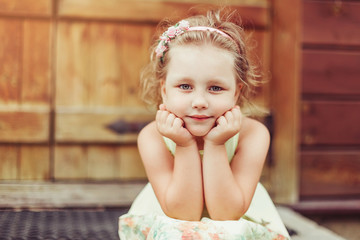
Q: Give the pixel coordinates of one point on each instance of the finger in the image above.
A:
(170, 120)
(162, 116)
(178, 123)
(158, 115)
(229, 116)
(236, 113)
(162, 107)
(221, 120)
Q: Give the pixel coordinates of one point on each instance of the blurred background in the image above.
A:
(70, 110)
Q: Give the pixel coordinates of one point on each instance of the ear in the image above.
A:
(163, 88)
(238, 91)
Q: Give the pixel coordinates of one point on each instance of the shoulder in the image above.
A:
(148, 130)
(149, 135)
(150, 142)
(252, 148)
(254, 131)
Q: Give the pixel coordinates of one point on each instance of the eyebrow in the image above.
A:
(218, 82)
(214, 81)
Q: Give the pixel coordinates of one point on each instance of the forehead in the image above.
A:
(201, 61)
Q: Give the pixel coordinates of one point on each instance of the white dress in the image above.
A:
(146, 206)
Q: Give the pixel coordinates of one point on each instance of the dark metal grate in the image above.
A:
(60, 224)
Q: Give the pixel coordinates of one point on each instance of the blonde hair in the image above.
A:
(227, 22)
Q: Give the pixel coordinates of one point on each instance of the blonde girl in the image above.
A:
(203, 154)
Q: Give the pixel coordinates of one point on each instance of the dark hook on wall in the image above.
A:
(121, 126)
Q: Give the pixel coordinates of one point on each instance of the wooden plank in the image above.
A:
(34, 162)
(26, 127)
(39, 195)
(330, 123)
(35, 84)
(9, 162)
(70, 162)
(10, 60)
(100, 63)
(330, 72)
(26, 7)
(135, 42)
(130, 166)
(259, 53)
(101, 162)
(286, 32)
(329, 174)
(331, 22)
(73, 64)
(92, 127)
(338, 207)
(254, 12)
(105, 81)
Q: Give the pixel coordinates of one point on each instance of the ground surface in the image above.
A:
(91, 224)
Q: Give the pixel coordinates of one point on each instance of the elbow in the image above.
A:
(231, 212)
(182, 215)
(233, 215)
(183, 212)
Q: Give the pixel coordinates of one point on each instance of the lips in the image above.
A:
(199, 117)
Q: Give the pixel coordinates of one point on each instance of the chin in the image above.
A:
(199, 132)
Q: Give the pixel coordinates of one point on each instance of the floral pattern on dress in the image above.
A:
(153, 227)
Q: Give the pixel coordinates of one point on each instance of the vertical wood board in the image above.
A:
(285, 69)
(73, 70)
(10, 60)
(130, 165)
(35, 87)
(34, 163)
(9, 162)
(70, 162)
(99, 63)
(135, 44)
(101, 162)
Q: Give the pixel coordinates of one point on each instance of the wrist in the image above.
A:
(186, 144)
(213, 144)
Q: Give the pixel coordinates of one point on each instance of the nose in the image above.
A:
(199, 101)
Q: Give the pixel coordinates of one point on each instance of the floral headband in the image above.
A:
(176, 30)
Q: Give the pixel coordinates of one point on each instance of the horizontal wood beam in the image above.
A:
(350, 206)
(67, 195)
(254, 13)
(24, 127)
(38, 8)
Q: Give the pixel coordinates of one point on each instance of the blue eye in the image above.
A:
(215, 88)
(185, 87)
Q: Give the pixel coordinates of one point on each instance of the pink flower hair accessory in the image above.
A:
(176, 30)
(169, 34)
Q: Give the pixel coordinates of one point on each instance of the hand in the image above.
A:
(172, 127)
(227, 126)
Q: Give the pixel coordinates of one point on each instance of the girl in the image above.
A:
(203, 155)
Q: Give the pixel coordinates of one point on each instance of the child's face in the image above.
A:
(200, 86)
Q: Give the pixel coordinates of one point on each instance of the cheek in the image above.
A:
(221, 106)
(175, 105)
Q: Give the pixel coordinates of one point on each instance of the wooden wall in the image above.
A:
(69, 68)
(330, 101)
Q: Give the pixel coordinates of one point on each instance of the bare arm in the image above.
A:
(228, 189)
(177, 181)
